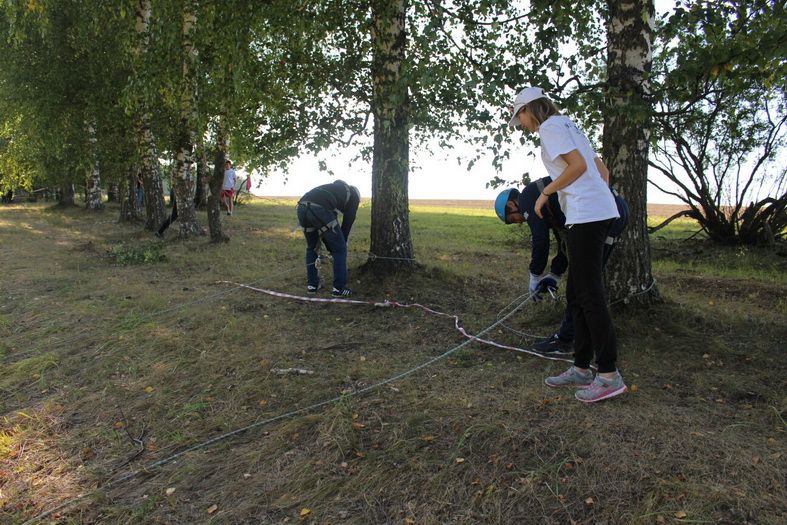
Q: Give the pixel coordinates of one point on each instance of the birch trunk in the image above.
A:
(625, 143)
(391, 242)
(93, 196)
(183, 181)
(155, 212)
(216, 180)
(203, 175)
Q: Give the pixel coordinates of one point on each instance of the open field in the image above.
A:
(118, 351)
(654, 210)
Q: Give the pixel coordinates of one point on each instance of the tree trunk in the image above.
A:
(183, 180)
(93, 196)
(128, 197)
(214, 204)
(391, 242)
(67, 193)
(625, 149)
(112, 192)
(151, 175)
(203, 175)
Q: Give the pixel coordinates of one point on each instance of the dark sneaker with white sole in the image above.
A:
(313, 289)
(344, 292)
(553, 345)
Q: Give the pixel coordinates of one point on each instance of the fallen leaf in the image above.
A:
(428, 439)
(634, 389)
(409, 521)
(305, 512)
(149, 389)
(680, 515)
(246, 475)
(170, 491)
(771, 440)
(358, 426)
(589, 502)
(359, 454)
(212, 509)
(705, 356)
(118, 424)
(460, 460)
(263, 402)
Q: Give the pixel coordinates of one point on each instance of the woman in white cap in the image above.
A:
(581, 181)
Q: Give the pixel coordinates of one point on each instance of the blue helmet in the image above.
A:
(501, 201)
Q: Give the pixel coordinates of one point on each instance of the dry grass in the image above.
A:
(100, 355)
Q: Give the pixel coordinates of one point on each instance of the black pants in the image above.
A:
(587, 297)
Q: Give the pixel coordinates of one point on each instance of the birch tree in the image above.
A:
(626, 138)
(390, 236)
(148, 152)
(184, 179)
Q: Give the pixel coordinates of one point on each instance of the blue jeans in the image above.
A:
(313, 216)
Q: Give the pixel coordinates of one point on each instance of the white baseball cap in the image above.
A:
(525, 96)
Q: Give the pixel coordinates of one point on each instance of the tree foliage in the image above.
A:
(721, 122)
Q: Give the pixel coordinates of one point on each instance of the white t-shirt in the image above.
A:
(588, 198)
(229, 180)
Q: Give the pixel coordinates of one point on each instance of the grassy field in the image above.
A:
(118, 351)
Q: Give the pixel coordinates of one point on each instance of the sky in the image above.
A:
(433, 174)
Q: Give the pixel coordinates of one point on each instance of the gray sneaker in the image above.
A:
(602, 389)
(571, 377)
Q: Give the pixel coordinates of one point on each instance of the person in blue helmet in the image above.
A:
(513, 206)
(318, 214)
(583, 190)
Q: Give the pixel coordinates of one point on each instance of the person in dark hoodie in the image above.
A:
(318, 214)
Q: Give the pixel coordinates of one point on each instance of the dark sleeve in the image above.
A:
(539, 229)
(560, 261)
(539, 244)
(348, 216)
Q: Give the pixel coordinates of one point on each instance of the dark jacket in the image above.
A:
(338, 197)
(554, 219)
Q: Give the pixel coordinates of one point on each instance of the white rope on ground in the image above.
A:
(388, 303)
(373, 256)
(155, 464)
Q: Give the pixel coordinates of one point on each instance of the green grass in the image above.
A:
(102, 344)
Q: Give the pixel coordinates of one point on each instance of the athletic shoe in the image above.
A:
(571, 377)
(553, 345)
(313, 289)
(344, 292)
(229, 213)
(602, 389)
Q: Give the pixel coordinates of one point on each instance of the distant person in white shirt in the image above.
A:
(227, 195)
(580, 179)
